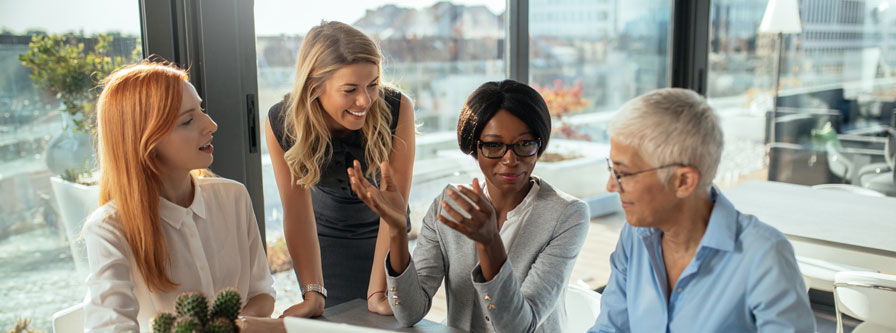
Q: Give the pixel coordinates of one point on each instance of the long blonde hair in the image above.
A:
(136, 110)
(327, 48)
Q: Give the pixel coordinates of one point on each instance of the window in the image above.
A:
(586, 69)
(42, 265)
(835, 71)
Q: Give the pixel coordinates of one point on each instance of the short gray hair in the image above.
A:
(671, 125)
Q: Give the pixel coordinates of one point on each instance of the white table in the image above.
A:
(834, 217)
(836, 226)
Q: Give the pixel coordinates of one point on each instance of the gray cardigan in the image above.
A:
(527, 295)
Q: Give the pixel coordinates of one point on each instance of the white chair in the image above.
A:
(582, 308)
(867, 296)
(848, 188)
(70, 320)
(819, 274)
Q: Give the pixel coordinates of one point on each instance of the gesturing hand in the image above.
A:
(482, 226)
(386, 201)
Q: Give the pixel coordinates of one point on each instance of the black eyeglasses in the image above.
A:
(618, 176)
(496, 150)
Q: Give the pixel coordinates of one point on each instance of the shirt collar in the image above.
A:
(722, 228)
(720, 231)
(174, 214)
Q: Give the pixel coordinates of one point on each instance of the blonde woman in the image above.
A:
(162, 229)
(338, 112)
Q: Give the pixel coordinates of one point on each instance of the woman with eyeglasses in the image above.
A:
(506, 251)
(687, 260)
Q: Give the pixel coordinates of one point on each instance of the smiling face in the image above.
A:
(188, 145)
(510, 173)
(348, 95)
(644, 198)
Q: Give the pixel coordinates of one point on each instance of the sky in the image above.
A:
(272, 17)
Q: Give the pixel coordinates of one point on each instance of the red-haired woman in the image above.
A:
(162, 229)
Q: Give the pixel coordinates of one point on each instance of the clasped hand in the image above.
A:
(481, 226)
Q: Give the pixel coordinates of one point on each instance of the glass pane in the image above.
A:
(835, 78)
(46, 151)
(435, 52)
(587, 58)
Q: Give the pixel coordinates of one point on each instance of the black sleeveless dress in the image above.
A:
(346, 227)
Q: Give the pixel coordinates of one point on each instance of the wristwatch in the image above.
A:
(315, 288)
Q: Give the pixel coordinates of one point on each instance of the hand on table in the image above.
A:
(379, 304)
(312, 306)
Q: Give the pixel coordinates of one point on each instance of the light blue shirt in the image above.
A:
(743, 278)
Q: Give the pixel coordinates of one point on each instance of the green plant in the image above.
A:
(192, 314)
(163, 323)
(192, 305)
(227, 305)
(61, 66)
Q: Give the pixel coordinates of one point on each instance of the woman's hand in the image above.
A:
(312, 306)
(482, 226)
(386, 201)
(379, 303)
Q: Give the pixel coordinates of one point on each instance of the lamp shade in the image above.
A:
(781, 16)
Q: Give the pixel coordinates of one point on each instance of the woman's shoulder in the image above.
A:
(222, 186)
(393, 98)
(276, 111)
(103, 221)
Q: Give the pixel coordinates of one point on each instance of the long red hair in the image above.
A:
(136, 110)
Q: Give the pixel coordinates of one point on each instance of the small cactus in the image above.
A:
(163, 323)
(192, 314)
(193, 305)
(227, 305)
(187, 325)
(220, 325)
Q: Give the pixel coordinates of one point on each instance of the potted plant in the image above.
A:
(60, 65)
(572, 162)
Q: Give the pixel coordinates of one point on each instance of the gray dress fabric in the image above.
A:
(346, 227)
(527, 294)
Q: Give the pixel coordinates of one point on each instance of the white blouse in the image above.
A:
(516, 216)
(213, 244)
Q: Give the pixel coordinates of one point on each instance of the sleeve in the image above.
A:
(414, 288)
(613, 315)
(522, 307)
(112, 305)
(776, 292)
(260, 280)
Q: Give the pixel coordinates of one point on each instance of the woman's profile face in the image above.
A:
(189, 144)
(510, 172)
(348, 95)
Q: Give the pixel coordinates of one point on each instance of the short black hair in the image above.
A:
(517, 98)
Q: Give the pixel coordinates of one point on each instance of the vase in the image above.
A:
(70, 149)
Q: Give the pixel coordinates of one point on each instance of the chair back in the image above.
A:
(582, 308)
(838, 163)
(867, 296)
(69, 320)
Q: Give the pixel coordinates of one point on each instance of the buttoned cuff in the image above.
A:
(490, 292)
(395, 281)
